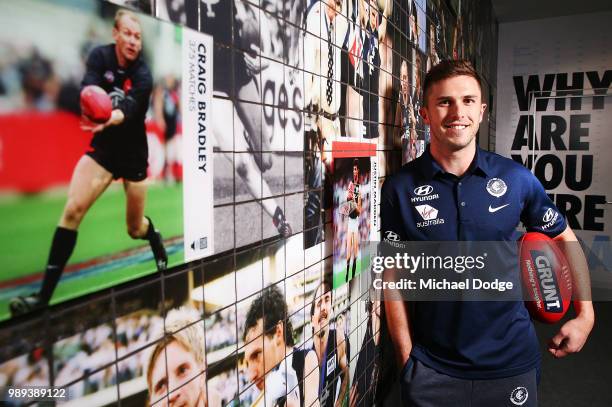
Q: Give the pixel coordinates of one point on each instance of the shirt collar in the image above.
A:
(430, 168)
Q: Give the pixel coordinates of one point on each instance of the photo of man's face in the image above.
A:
(322, 310)
(128, 38)
(178, 378)
(262, 353)
(404, 78)
(373, 14)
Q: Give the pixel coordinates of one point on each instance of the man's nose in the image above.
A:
(456, 111)
(174, 397)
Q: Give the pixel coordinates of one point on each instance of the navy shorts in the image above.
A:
(423, 386)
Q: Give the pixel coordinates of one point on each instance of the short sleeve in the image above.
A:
(390, 215)
(539, 212)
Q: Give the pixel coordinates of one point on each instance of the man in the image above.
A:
(481, 353)
(322, 62)
(268, 352)
(331, 349)
(413, 28)
(367, 371)
(405, 120)
(371, 73)
(432, 54)
(176, 367)
(422, 131)
(118, 150)
(238, 96)
(353, 197)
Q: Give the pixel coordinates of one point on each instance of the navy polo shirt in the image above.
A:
(470, 340)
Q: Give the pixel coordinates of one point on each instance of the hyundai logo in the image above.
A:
(423, 190)
(391, 236)
(549, 215)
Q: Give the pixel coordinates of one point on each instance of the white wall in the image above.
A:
(547, 50)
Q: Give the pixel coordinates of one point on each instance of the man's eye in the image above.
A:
(160, 387)
(182, 369)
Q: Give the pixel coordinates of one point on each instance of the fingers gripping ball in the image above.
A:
(96, 105)
(546, 277)
(351, 192)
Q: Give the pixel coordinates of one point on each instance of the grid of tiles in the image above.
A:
(263, 321)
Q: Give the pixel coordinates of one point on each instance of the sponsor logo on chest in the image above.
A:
(423, 193)
(429, 214)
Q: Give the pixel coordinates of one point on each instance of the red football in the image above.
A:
(96, 105)
(546, 276)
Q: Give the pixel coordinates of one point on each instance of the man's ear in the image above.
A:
(483, 107)
(423, 113)
(279, 332)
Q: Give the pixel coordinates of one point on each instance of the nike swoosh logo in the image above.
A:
(492, 210)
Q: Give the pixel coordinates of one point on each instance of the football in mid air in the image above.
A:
(96, 105)
(546, 277)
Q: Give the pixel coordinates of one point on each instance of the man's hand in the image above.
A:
(574, 333)
(571, 337)
(116, 118)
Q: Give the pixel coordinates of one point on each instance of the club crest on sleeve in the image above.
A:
(109, 76)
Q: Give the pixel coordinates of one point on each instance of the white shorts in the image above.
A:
(353, 225)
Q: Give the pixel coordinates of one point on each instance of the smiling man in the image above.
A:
(468, 353)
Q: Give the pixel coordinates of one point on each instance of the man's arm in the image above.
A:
(398, 323)
(311, 380)
(343, 363)
(574, 333)
(136, 100)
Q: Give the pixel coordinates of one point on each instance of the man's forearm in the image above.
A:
(399, 328)
(343, 386)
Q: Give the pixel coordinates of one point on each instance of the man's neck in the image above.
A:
(320, 343)
(122, 62)
(455, 162)
(329, 14)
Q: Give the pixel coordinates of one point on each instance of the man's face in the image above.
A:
(333, 8)
(322, 311)
(355, 173)
(182, 368)
(373, 14)
(128, 38)
(453, 110)
(413, 24)
(263, 352)
(417, 76)
(404, 78)
(432, 38)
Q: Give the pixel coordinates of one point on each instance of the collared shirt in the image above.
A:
(422, 202)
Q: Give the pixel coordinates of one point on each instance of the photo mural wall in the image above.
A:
(253, 141)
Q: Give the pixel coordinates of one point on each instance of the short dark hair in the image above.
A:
(356, 163)
(270, 306)
(448, 69)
